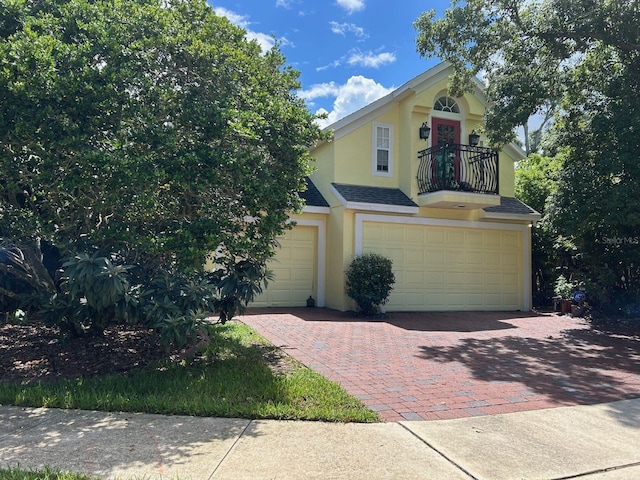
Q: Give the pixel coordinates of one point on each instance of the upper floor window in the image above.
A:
(446, 104)
(382, 149)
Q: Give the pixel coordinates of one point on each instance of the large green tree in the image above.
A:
(148, 127)
(536, 180)
(584, 57)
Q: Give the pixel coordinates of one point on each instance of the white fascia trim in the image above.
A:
(373, 207)
(527, 283)
(381, 207)
(514, 151)
(368, 114)
(527, 217)
(439, 222)
(321, 225)
(315, 209)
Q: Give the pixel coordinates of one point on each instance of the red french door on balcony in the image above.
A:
(447, 132)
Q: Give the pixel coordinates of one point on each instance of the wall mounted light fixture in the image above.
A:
(474, 138)
(425, 130)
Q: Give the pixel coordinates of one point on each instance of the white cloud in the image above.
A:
(334, 64)
(369, 59)
(320, 90)
(358, 92)
(343, 28)
(351, 5)
(236, 19)
(359, 59)
(265, 40)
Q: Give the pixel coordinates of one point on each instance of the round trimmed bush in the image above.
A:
(370, 280)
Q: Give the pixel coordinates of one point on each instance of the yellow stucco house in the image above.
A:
(408, 177)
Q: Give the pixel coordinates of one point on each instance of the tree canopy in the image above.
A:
(146, 126)
(527, 51)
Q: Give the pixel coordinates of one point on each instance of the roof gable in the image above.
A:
(421, 82)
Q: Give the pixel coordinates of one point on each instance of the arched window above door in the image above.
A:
(446, 104)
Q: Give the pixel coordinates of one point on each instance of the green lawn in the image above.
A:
(231, 379)
(44, 474)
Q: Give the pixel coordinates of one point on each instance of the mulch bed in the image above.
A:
(38, 353)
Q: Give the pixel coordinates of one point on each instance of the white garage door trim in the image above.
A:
(526, 238)
(322, 249)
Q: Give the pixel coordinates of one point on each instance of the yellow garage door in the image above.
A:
(446, 268)
(294, 268)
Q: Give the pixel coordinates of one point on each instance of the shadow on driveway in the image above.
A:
(438, 365)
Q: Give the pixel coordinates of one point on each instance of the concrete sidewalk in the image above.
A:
(590, 442)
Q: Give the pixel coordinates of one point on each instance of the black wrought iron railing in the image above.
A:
(460, 168)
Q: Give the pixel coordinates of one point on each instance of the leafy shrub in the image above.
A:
(370, 280)
(564, 288)
(24, 280)
(239, 284)
(94, 292)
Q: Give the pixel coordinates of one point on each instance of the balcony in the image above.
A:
(458, 176)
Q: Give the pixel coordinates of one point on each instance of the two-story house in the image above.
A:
(408, 177)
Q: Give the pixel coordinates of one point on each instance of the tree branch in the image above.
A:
(624, 46)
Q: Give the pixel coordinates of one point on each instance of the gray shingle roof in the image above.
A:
(378, 195)
(511, 205)
(312, 196)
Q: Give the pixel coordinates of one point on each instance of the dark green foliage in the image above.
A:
(239, 284)
(536, 180)
(149, 128)
(596, 205)
(96, 292)
(526, 50)
(370, 280)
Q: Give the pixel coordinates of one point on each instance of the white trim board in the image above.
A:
(438, 222)
(315, 209)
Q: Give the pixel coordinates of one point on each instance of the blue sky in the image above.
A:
(348, 52)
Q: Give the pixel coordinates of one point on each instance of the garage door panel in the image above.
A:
(394, 236)
(474, 239)
(435, 257)
(414, 255)
(282, 274)
(414, 236)
(455, 237)
(511, 239)
(435, 237)
(473, 258)
(454, 257)
(452, 269)
(294, 269)
(414, 278)
(510, 259)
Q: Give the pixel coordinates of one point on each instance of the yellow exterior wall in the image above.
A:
(347, 158)
(323, 166)
(507, 176)
(334, 284)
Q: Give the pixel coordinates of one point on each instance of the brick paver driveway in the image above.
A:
(428, 366)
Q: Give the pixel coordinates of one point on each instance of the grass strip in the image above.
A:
(231, 378)
(47, 473)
